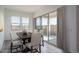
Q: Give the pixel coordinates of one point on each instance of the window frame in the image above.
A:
(20, 24)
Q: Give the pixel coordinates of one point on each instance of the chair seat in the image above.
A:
(16, 46)
(35, 43)
(34, 46)
(15, 43)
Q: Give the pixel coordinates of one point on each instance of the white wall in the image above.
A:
(7, 21)
(1, 39)
(1, 33)
(70, 18)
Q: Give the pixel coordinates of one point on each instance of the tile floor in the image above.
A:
(46, 49)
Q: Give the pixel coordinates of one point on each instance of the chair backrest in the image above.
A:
(35, 30)
(41, 31)
(13, 35)
(35, 39)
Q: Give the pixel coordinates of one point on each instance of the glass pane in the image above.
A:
(53, 28)
(15, 27)
(53, 21)
(15, 19)
(25, 20)
(25, 26)
(15, 22)
(44, 21)
(38, 23)
(45, 27)
(25, 23)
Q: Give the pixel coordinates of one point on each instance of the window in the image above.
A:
(15, 23)
(38, 23)
(19, 23)
(25, 23)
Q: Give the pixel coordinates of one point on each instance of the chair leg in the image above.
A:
(39, 48)
(31, 48)
(11, 47)
(21, 47)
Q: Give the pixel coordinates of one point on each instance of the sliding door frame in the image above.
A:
(47, 25)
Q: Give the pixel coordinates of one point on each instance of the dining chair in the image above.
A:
(15, 43)
(42, 38)
(35, 44)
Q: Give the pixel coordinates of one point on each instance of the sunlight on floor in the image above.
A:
(50, 49)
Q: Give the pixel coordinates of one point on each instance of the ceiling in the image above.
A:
(28, 8)
(25, 8)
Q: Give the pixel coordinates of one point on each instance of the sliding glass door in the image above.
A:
(38, 24)
(53, 28)
(47, 25)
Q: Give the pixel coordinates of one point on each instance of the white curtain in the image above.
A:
(61, 28)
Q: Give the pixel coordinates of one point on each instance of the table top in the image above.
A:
(24, 36)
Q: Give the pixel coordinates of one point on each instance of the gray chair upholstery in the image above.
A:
(15, 43)
(35, 42)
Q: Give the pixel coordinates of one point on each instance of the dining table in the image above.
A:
(26, 38)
